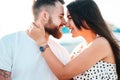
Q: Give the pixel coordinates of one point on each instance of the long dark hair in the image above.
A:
(88, 11)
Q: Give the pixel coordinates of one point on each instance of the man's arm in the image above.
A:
(5, 75)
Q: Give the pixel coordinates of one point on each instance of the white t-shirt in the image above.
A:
(20, 55)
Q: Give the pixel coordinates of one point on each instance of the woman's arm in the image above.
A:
(96, 51)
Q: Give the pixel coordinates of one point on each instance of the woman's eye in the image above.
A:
(69, 18)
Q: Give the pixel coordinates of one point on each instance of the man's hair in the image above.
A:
(38, 4)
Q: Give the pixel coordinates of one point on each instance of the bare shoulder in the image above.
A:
(5, 75)
(101, 40)
(103, 44)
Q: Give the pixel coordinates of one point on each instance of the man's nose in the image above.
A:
(63, 22)
(67, 24)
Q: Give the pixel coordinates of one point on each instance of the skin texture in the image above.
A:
(4, 75)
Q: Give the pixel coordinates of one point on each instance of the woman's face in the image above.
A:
(73, 29)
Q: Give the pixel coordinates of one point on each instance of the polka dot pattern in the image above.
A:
(100, 71)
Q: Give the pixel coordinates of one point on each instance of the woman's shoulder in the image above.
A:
(102, 44)
(101, 41)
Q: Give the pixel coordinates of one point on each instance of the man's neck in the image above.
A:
(47, 35)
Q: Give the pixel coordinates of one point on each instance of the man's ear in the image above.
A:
(44, 16)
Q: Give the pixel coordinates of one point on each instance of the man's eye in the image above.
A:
(61, 17)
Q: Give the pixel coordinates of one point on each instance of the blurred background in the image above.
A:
(16, 15)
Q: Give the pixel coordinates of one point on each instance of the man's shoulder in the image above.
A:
(12, 36)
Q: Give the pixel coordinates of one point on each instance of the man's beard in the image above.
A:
(55, 32)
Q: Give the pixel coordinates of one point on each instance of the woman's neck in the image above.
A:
(89, 38)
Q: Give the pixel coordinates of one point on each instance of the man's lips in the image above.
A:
(60, 26)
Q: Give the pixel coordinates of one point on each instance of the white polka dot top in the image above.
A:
(100, 71)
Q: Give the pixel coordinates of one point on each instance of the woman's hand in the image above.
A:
(37, 33)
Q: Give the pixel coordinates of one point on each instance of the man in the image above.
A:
(20, 58)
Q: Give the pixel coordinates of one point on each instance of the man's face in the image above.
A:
(56, 21)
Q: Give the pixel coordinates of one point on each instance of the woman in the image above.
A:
(100, 58)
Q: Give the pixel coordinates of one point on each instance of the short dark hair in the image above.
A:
(43, 3)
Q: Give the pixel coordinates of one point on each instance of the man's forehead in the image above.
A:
(58, 11)
(57, 4)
